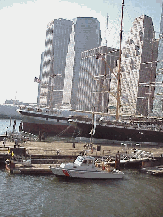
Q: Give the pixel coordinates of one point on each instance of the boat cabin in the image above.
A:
(85, 161)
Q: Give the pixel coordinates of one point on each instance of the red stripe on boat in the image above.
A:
(65, 172)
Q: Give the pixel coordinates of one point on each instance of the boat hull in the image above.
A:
(57, 171)
(59, 125)
(84, 174)
(95, 174)
(37, 125)
(49, 129)
(120, 133)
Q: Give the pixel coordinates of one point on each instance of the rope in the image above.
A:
(63, 131)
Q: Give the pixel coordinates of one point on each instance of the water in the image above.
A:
(137, 195)
(5, 125)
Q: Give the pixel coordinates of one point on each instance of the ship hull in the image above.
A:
(120, 133)
(59, 126)
(49, 129)
(37, 125)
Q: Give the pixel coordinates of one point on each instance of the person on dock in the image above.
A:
(20, 127)
(43, 136)
(13, 127)
(39, 136)
(16, 142)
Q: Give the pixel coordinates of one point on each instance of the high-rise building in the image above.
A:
(53, 72)
(65, 40)
(158, 95)
(85, 35)
(96, 68)
(138, 69)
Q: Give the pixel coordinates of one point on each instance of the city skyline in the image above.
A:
(23, 35)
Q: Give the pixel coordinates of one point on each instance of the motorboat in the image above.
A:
(85, 167)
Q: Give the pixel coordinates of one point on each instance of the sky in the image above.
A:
(23, 30)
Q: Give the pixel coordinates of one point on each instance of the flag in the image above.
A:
(37, 80)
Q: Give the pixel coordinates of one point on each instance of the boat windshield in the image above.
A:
(79, 159)
(85, 162)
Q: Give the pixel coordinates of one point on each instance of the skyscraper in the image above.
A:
(65, 40)
(53, 71)
(85, 35)
(158, 102)
(138, 68)
(96, 67)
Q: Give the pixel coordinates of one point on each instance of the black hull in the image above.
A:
(120, 133)
(49, 129)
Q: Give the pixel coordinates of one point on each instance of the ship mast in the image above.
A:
(119, 70)
(106, 28)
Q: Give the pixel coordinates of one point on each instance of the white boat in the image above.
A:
(84, 167)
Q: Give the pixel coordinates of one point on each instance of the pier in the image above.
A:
(44, 154)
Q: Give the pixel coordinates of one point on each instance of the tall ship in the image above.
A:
(104, 125)
(68, 123)
(143, 126)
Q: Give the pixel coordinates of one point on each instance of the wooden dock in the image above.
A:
(2, 137)
(34, 170)
(37, 169)
(66, 154)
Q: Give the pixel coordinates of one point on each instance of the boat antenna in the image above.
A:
(119, 70)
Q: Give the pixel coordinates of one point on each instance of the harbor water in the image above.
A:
(137, 194)
(7, 125)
